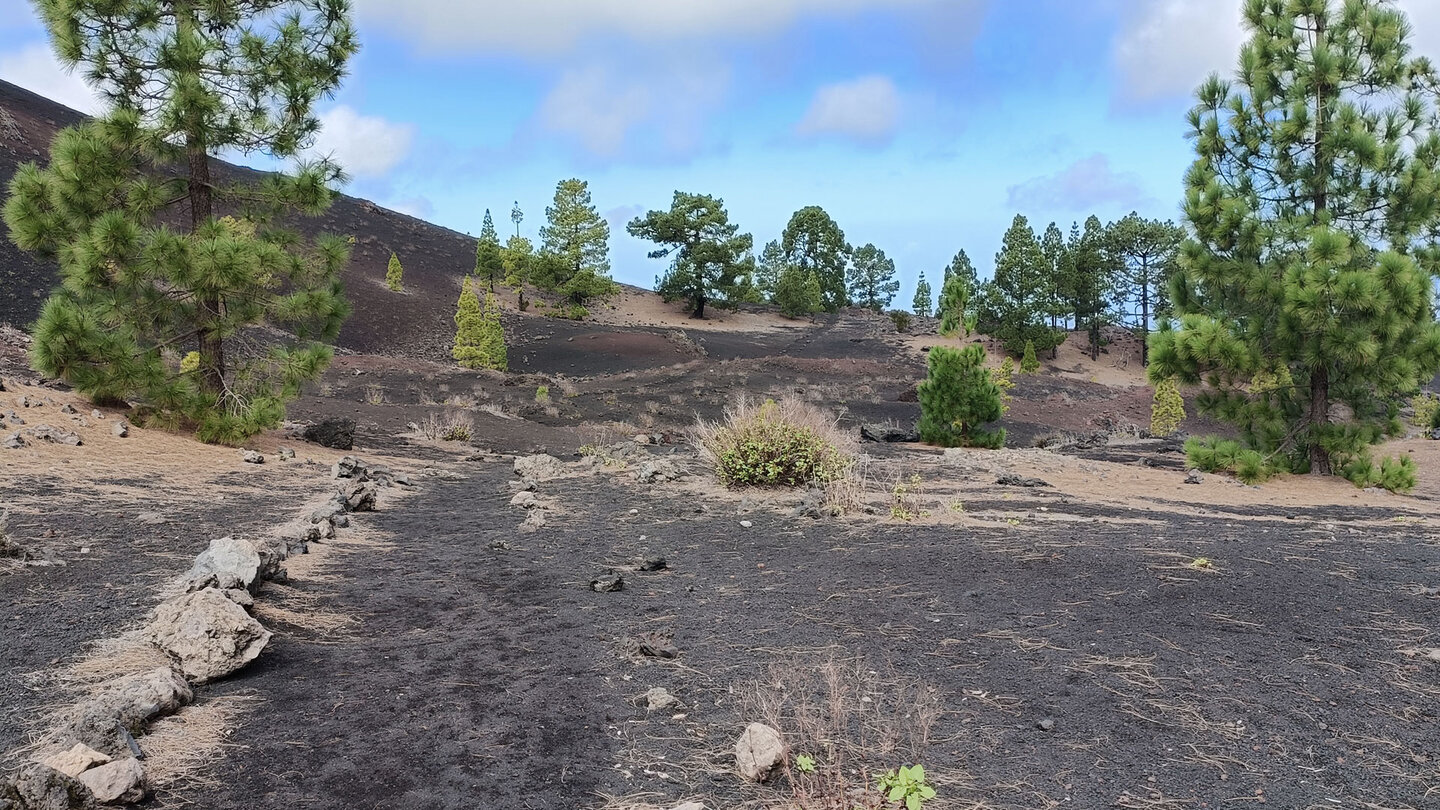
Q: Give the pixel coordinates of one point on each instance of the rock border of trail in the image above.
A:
(91, 753)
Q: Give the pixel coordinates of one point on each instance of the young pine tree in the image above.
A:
(489, 255)
(798, 292)
(923, 297)
(955, 305)
(872, 278)
(395, 275)
(1015, 304)
(1314, 199)
(1167, 409)
(575, 246)
(1029, 363)
(958, 398)
(470, 349)
(813, 242)
(184, 82)
(492, 335)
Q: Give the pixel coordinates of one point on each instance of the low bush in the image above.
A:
(450, 426)
(1167, 409)
(901, 319)
(789, 443)
(1394, 474)
(1427, 411)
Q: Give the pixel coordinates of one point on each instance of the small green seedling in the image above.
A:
(1202, 564)
(805, 763)
(542, 394)
(907, 787)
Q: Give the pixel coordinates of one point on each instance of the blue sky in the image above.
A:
(922, 126)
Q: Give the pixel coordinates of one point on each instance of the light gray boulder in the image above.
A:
(759, 751)
(209, 635)
(539, 467)
(228, 563)
(118, 782)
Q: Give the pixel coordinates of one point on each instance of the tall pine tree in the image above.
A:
(184, 82)
(710, 259)
(1315, 205)
(1145, 252)
(575, 243)
(1014, 305)
(813, 242)
(872, 278)
(924, 298)
(489, 255)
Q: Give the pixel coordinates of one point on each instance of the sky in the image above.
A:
(921, 126)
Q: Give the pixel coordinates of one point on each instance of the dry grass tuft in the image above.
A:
(448, 426)
(770, 442)
(290, 606)
(183, 748)
(107, 659)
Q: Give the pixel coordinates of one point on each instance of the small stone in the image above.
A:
(759, 751)
(745, 524)
(55, 435)
(251, 457)
(608, 582)
(77, 760)
(657, 699)
(95, 414)
(14, 441)
(120, 430)
(653, 564)
(525, 499)
(119, 782)
(1194, 477)
(68, 409)
(499, 545)
(657, 644)
(689, 806)
(1013, 480)
(1046, 724)
(286, 454)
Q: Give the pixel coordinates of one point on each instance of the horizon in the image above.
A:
(921, 126)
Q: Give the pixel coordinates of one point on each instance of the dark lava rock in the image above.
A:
(658, 645)
(335, 433)
(608, 582)
(1013, 480)
(653, 564)
(886, 433)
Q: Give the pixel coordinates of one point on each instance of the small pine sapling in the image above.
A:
(395, 275)
(1167, 409)
(1029, 363)
(957, 398)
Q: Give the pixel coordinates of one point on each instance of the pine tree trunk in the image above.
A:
(1319, 416)
(1145, 315)
(699, 308)
(202, 208)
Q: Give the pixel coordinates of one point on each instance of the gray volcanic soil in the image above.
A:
(495, 678)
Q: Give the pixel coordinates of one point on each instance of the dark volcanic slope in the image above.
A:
(384, 322)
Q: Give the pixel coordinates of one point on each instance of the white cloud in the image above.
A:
(35, 68)
(866, 110)
(364, 145)
(552, 26)
(610, 114)
(1084, 186)
(1167, 47)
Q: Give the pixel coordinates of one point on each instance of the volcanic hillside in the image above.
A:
(414, 323)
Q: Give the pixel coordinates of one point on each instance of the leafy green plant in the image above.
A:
(1393, 474)
(904, 498)
(542, 394)
(787, 444)
(906, 786)
(805, 763)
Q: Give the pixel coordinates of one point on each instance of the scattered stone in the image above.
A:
(104, 721)
(26, 402)
(641, 438)
(120, 430)
(1046, 724)
(286, 454)
(340, 521)
(525, 499)
(657, 699)
(68, 409)
(689, 806)
(758, 752)
(41, 788)
(208, 634)
(539, 467)
(251, 457)
(887, 433)
(347, 467)
(653, 564)
(118, 782)
(1194, 477)
(228, 563)
(658, 470)
(608, 582)
(499, 545)
(152, 518)
(745, 524)
(96, 415)
(657, 644)
(361, 498)
(56, 435)
(75, 761)
(239, 597)
(335, 433)
(332, 508)
(272, 551)
(1013, 480)
(525, 485)
(14, 441)
(811, 505)
(534, 520)
(15, 420)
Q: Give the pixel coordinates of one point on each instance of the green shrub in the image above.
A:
(1167, 409)
(901, 319)
(190, 363)
(395, 274)
(1029, 363)
(542, 394)
(797, 292)
(784, 444)
(957, 397)
(1394, 474)
(1427, 411)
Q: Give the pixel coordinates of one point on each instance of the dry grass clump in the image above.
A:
(107, 659)
(787, 443)
(184, 748)
(448, 426)
(850, 722)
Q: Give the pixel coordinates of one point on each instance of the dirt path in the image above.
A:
(1184, 661)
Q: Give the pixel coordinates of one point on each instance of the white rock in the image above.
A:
(119, 782)
(228, 563)
(539, 467)
(75, 761)
(208, 634)
(525, 500)
(758, 752)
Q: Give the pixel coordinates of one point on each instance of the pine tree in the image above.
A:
(1013, 306)
(958, 397)
(184, 82)
(961, 266)
(872, 278)
(1313, 201)
(1091, 279)
(813, 242)
(395, 274)
(1029, 363)
(470, 349)
(489, 261)
(955, 306)
(798, 292)
(575, 242)
(923, 297)
(710, 256)
(767, 271)
(492, 335)
(1057, 304)
(1145, 252)
(1167, 409)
